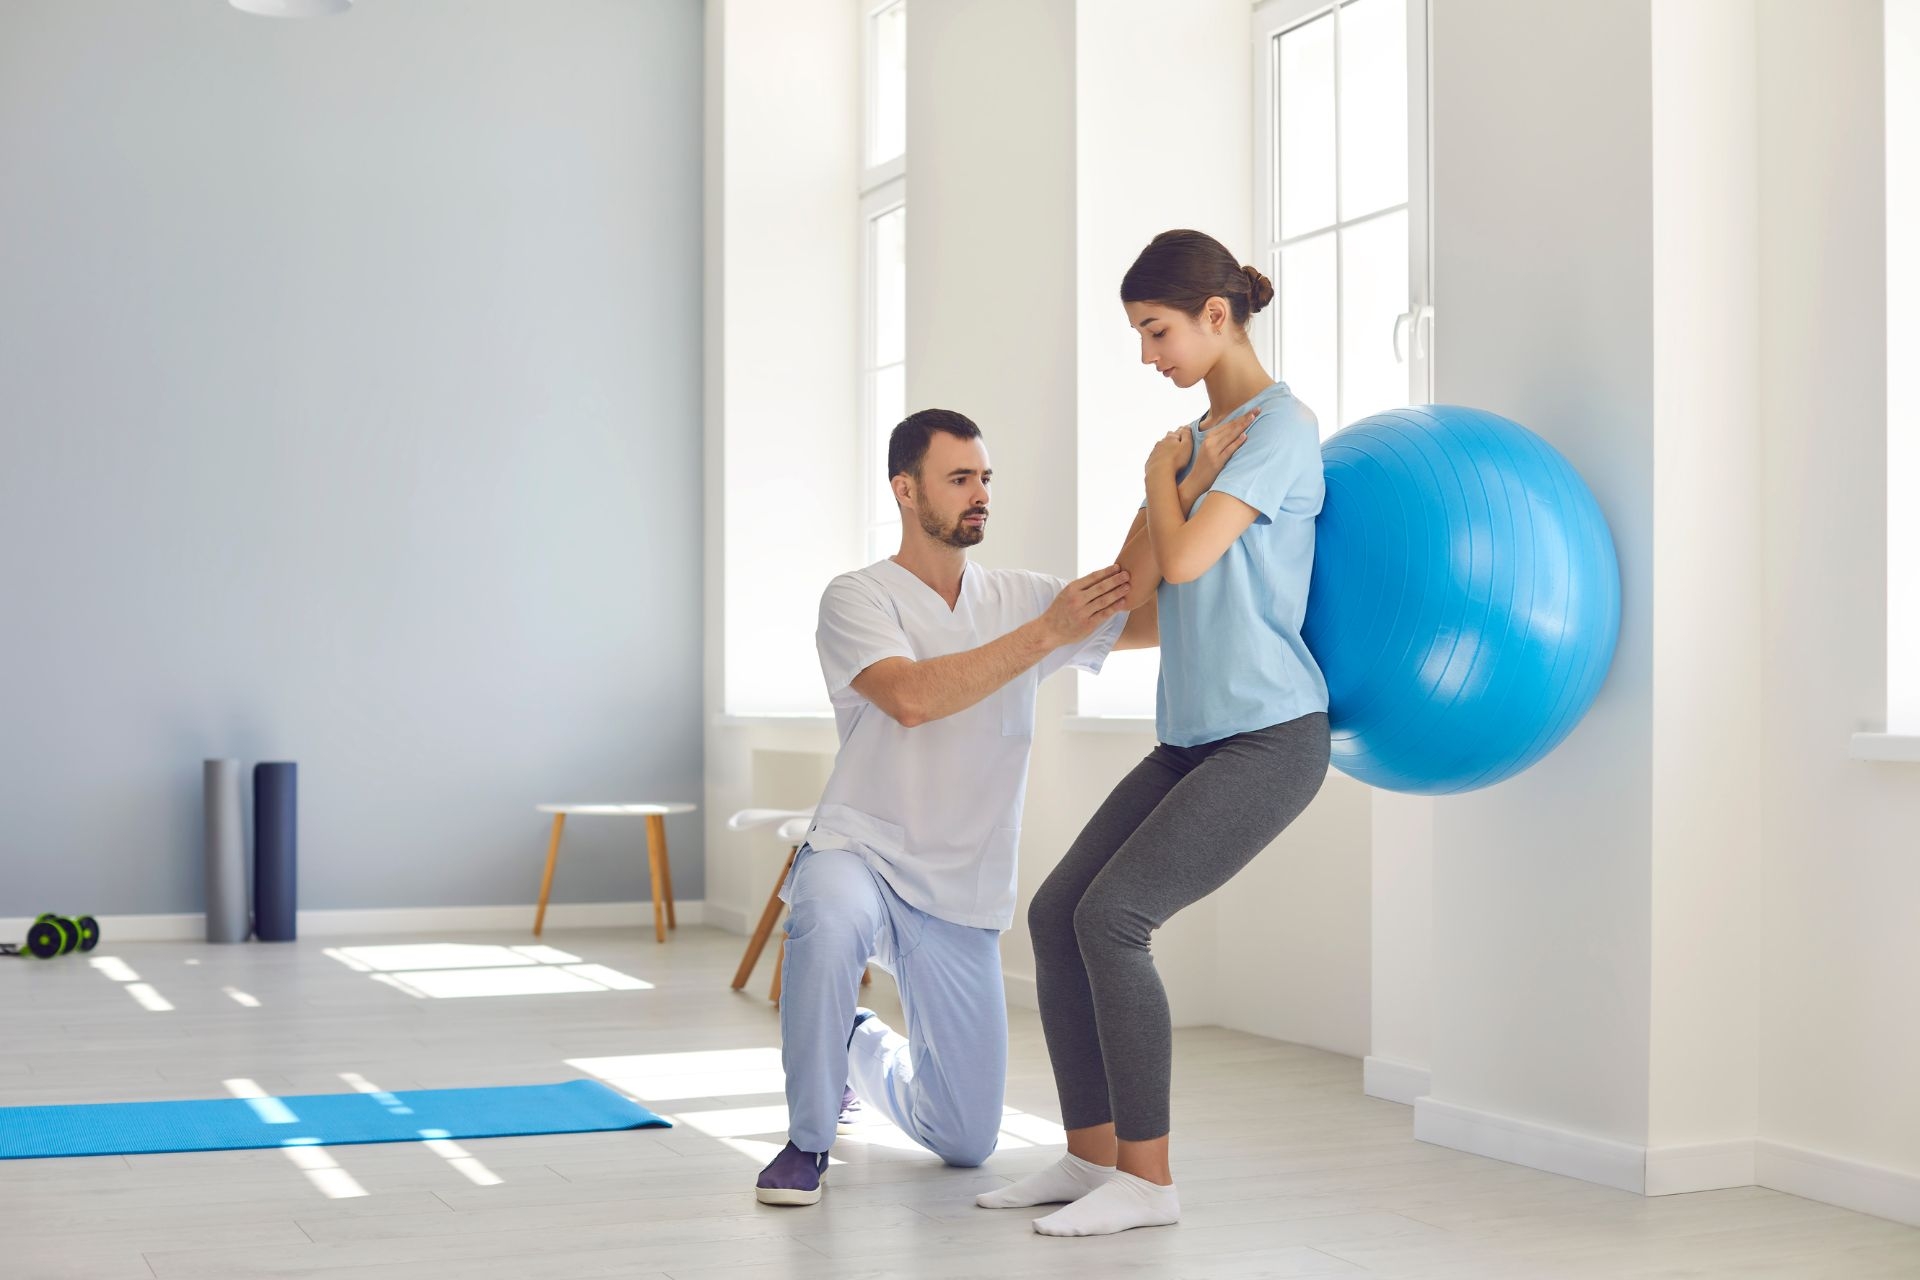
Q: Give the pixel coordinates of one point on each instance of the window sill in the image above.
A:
(776, 720)
(1110, 724)
(1904, 747)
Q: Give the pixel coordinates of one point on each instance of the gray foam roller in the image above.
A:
(226, 855)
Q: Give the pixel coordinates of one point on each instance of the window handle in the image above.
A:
(1414, 319)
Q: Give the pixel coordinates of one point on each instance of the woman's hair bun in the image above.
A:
(1262, 288)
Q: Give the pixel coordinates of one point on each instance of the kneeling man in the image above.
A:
(933, 664)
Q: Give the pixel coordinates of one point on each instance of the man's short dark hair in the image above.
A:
(907, 448)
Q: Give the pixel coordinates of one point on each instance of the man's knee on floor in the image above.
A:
(968, 1146)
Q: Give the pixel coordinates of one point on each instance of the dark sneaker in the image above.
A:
(792, 1178)
(853, 1112)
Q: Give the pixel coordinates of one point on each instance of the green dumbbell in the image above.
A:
(50, 935)
(55, 937)
(45, 939)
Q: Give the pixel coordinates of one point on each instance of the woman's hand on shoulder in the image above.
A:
(1219, 446)
(1171, 453)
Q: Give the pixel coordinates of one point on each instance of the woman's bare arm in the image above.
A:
(1136, 552)
(1188, 548)
(1142, 630)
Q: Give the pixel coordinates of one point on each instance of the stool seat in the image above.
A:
(748, 818)
(658, 865)
(621, 810)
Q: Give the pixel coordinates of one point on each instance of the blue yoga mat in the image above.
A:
(231, 1124)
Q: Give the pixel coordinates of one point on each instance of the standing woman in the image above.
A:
(1226, 533)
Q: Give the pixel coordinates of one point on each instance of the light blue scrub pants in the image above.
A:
(943, 1083)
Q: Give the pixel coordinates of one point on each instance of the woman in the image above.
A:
(1226, 533)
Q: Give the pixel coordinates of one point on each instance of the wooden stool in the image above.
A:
(793, 829)
(657, 862)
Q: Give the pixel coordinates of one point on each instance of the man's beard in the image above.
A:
(957, 534)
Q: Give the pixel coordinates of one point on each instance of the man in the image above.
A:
(933, 665)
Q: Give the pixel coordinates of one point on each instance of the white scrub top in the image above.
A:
(936, 808)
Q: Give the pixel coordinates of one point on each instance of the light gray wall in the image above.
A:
(349, 413)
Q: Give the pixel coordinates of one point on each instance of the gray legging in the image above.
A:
(1178, 827)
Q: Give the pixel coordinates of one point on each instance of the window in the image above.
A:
(1341, 202)
(883, 294)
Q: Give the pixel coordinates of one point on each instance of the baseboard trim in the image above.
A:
(1525, 1142)
(719, 915)
(1394, 1081)
(1700, 1166)
(1836, 1180)
(337, 923)
(1659, 1171)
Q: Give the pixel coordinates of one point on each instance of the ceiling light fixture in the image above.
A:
(292, 8)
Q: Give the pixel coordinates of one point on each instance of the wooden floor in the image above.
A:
(1284, 1167)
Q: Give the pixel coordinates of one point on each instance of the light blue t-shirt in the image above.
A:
(1231, 657)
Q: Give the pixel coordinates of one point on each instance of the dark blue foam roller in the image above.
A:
(276, 830)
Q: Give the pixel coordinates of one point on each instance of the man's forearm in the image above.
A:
(939, 687)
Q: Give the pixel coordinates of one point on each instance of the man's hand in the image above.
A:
(1083, 605)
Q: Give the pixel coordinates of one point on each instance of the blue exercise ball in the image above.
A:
(1465, 598)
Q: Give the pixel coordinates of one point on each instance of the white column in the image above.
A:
(1703, 1068)
(1593, 927)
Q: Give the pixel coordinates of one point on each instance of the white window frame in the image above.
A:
(883, 189)
(874, 175)
(1415, 326)
(1900, 738)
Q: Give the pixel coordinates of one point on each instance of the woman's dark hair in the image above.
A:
(1185, 268)
(907, 446)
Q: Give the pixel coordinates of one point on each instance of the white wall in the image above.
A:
(1841, 955)
(1400, 965)
(347, 391)
(990, 253)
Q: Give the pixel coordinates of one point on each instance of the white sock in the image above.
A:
(1120, 1203)
(1066, 1180)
